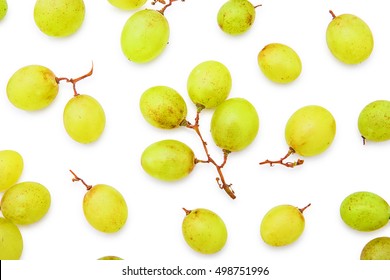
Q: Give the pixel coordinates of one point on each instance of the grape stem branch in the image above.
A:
(164, 3)
(76, 179)
(281, 161)
(74, 81)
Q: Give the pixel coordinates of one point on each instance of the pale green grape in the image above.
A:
(59, 18)
(236, 16)
(349, 39)
(144, 36)
(364, 211)
(11, 168)
(209, 84)
(84, 119)
(11, 241)
(279, 63)
(163, 107)
(3, 8)
(32, 87)
(168, 160)
(310, 130)
(25, 203)
(234, 124)
(127, 4)
(376, 249)
(374, 121)
(110, 258)
(204, 231)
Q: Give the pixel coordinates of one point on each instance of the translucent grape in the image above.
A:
(3, 8)
(127, 4)
(236, 16)
(84, 119)
(25, 203)
(11, 168)
(209, 84)
(279, 63)
(59, 18)
(110, 258)
(376, 249)
(234, 124)
(374, 121)
(364, 211)
(32, 87)
(163, 107)
(204, 231)
(11, 241)
(168, 160)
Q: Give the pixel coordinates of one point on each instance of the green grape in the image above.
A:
(11, 168)
(209, 84)
(25, 203)
(236, 16)
(234, 124)
(11, 240)
(376, 249)
(204, 231)
(127, 4)
(3, 8)
(59, 18)
(168, 160)
(84, 119)
(110, 258)
(349, 38)
(364, 211)
(32, 87)
(163, 107)
(282, 225)
(279, 63)
(144, 36)
(374, 121)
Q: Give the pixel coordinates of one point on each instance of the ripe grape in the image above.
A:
(349, 38)
(163, 107)
(32, 87)
(209, 84)
(168, 160)
(127, 4)
(11, 168)
(376, 249)
(110, 258)
(374, 121)
(236, 16)
(234, 124)
(364, 211)
(84, 118)
(3, 8)
(204, 231)
(25, 203)
(11, 240)
(279, 63)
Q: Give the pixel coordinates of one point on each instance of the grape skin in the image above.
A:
(3, 8)
(11, 168)
(374, 121)
(376, 249)
(127, 4)
(11, 240)
(236, 16)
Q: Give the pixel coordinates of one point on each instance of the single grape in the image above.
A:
(32, 88)
(209, 84)
(25, 203)
(376, 249)
(3, 8)
(127, 4)
(11, 240)
(374, 121)
(279, 63)
(236, 16)
(168, 160)
(110, 258)
(349, 38)
(365, 211)
(204, 231)
(84, 119)
(282, 225)
(163, 107)
(234, 124)
(11, 168)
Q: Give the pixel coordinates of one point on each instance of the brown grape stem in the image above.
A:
(154, 2)
(364, 140)
(187, 211)
(74, 81)
(280, 161)
(76, 179)
(304, 208)
(331, 12)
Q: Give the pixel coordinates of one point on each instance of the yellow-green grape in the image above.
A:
(163, 107)
(59, 18)
(11, 168)
(349, 38)
(110, 258)
(32, 87)
(279, 63)
(376, 249)
(310, 130)
(25, 203)
(11, 241)
(209, 84)
(282, 225)
(204, 231)
(374, 121)
(127, 4)
(365, 211)
(236, 16)
(84, 119)
(234, 124)
(144, 36)
(3, 8)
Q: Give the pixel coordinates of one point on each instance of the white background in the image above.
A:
(63, 245)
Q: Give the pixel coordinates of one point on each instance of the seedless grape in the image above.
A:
(11, 240)
(11, 168)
